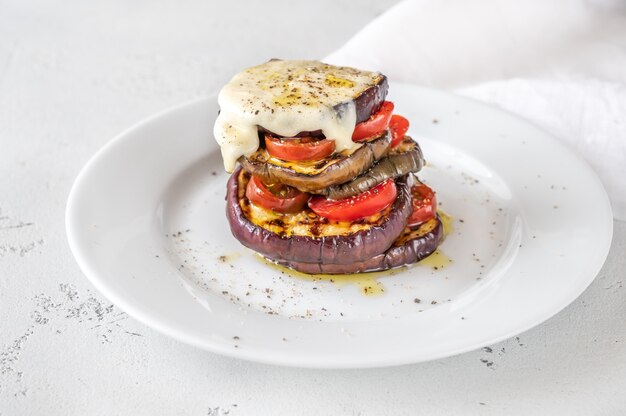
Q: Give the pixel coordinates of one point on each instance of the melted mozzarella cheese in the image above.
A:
(286, 98)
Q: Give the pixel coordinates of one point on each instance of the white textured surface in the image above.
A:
(559, 63)
(74, 74)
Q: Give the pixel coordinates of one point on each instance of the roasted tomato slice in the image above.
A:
(299, 148)
(367, 203)
(424, 204)
(375, 124)
(277, 197)
(398, 126)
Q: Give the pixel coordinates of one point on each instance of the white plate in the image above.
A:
(532, 227)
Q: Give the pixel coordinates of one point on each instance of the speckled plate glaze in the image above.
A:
(531, 227)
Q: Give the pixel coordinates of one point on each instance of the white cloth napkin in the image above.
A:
(560, 64)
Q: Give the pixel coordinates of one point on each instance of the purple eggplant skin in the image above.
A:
(370, 100)
(340, 172)
(357, 247)
(412, 251)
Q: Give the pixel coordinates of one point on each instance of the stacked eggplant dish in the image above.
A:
(323, 173)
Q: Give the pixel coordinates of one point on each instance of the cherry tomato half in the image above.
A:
(398, 126)
(375, 124)
(299, 149)
(367, 203)
(279, 198)
(424, 204)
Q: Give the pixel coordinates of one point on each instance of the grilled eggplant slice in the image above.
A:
(314, 176)
(297, 240)
(370, 100)
(412, 246)
(406, 158)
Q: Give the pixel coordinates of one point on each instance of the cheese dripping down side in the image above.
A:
(287, 98)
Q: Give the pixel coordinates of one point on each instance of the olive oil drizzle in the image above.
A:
(447, 221)
(368, 283)
(437, 260)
